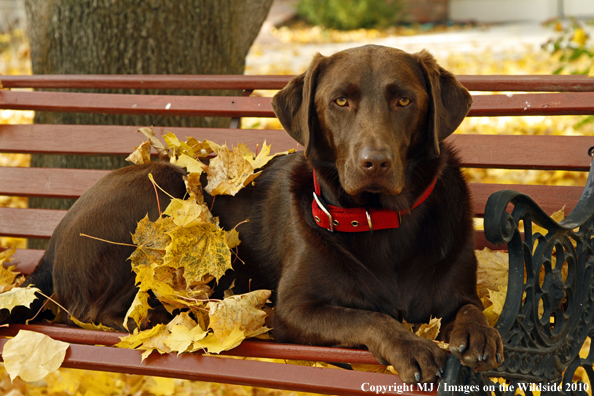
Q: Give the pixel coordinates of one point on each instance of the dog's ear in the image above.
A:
(295, 107)
(449, 100)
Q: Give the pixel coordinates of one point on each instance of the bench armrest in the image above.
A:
(548, 308)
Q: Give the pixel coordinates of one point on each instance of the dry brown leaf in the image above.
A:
(429, 330)
(492, 272)
(243, 311)
(141, 154)
(228, 172)
(156, 143)
(496, 299)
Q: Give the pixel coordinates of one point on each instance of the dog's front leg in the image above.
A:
(312, 322)
(474, 342)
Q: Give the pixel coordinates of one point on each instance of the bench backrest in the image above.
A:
(557, 95)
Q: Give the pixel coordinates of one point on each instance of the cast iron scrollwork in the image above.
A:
(549, 307)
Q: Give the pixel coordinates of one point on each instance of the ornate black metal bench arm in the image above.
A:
(548, 311)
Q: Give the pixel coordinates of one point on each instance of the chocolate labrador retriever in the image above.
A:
(370, 225)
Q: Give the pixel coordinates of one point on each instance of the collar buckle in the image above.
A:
(369, 221)
(326, 211)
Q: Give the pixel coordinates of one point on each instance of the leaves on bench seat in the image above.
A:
(32, 355)
(181, 253)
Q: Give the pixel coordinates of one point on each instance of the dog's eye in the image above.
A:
(342, 102)
(404, 102)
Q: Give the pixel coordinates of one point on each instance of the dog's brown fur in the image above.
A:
(349, 289)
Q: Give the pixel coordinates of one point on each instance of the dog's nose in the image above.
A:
(375, 162)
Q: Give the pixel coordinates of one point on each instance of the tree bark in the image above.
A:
(136, 37)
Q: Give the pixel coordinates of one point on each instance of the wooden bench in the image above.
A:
(535, 349)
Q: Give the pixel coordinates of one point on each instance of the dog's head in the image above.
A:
(369, 110)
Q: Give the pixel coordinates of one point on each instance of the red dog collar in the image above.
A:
(334, 218)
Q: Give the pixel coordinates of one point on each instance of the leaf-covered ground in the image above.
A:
(14, 59)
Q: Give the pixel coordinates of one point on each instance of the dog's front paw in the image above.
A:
(477, 346)
(416, 359)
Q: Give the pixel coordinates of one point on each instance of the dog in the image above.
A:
(369, 225)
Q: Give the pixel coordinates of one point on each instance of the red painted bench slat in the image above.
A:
(29, 223)
(477, 151)
(542, 83)
(573, 103)
(71, 183)
(174, 105)
(232, 371)
(120, 140)
(48, 182)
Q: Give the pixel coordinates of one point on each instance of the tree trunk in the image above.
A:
(136, 37)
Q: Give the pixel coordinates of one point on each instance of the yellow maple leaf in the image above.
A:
(141, 154)
(156, 343)
(17, 297)
(173, 142)
(242, 311)
(137, 338)
(263, 157)
(214, 147)
(201, 250)
(8, 277)
(138, 310)
(191, 147)
(5, 255)
(171, 298)
(213, 344)
(182, 337)
(32, 356)
(192, 165)
(188, 212)
(90, 326)
(151, 240)
(228, 172)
